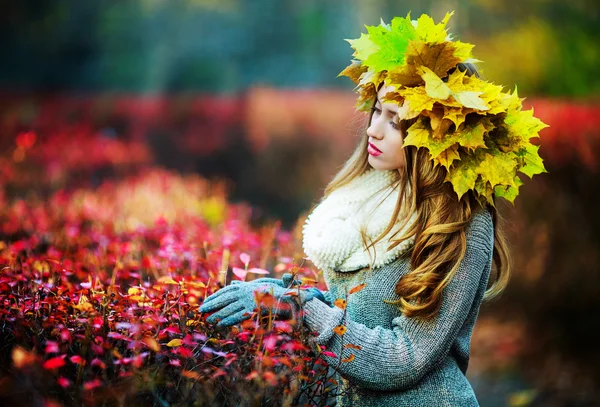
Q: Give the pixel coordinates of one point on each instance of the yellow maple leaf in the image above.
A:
(134, 291)
(462, 175)
(498, 168)
(434, 86)
(472, 135)
(440, 58)
(354, 71)
(447, 157)
(428, 31)
(415, 100)
(174, 343)
(456, 115)
(418, 134)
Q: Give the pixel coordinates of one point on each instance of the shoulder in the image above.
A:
(480, 229)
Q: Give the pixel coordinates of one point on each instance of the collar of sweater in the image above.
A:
(331, 233)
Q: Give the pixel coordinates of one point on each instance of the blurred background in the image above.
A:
(245, 94)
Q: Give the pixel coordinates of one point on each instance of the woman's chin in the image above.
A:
(375, 163)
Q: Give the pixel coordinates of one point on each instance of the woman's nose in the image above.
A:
(373, 130)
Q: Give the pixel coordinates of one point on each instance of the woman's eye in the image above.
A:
(376, 110)
(394, 125)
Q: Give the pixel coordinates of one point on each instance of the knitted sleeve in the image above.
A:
(324, 296)
(397, 358)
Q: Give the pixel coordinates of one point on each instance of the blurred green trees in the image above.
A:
(546, 47)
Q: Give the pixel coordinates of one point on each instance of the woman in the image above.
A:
(407, 231)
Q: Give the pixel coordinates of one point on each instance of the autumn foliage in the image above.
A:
(100, 301)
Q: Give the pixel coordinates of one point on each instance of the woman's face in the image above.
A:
(385, 135)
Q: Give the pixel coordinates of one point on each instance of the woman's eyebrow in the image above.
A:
(395, 112)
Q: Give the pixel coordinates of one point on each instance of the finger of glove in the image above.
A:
(236, 318)
(215, 301)
(267, 280)
(287, 279)
(220, 292)
(225, 312)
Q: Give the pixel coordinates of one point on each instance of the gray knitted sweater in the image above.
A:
(404, 361)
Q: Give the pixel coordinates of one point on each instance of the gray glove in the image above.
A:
(284, 282)
(235, 303)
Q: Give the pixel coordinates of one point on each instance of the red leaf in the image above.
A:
(92, 384)
(52, 347)
(64, 382)
(55, 363)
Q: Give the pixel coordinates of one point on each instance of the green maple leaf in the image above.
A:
(533, 162)
(391, 43)
(363, 47)
(484, 191)
(508, 192)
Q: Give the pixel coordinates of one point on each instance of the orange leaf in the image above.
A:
(167, 280)
(267, 361)
(190, 375)
(357, 288)
(340, 329)
(21, 357)
(265, 299)
(348, 359)
(284, 360)
(251, 375)
(350, 345)
(270, 378)
(151, 343)
(196, 284)
(340, 303)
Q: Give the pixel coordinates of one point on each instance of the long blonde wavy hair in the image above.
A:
(440, 241)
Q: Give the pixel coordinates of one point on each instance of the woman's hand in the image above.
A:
(236, 303)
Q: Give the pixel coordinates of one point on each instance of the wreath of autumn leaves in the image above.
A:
(479, 133)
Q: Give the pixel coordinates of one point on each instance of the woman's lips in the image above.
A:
(373, 150)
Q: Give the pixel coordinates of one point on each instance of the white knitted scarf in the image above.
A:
(331, 236)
